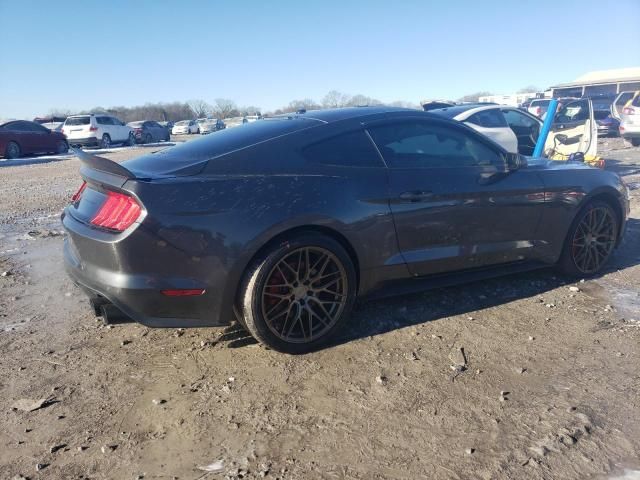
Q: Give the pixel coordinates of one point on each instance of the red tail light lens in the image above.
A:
(76, 196)
(118, 212)
(93, 129)
(190, 292)
(628, 111)
(538, 111)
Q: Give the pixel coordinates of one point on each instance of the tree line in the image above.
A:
(223, 108)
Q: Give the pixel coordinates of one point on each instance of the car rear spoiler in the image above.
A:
(102, 170)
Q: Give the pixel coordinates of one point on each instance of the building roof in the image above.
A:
(604, 76)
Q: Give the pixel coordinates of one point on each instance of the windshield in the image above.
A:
(71, 121)
(135, 124)
(182, 123)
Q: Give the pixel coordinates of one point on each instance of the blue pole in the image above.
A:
(546, 126)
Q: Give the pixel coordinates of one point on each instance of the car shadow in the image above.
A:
(376, 317)
(621, 168)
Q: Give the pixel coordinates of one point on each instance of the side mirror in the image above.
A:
(515, 161)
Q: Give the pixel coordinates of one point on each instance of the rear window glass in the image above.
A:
(349, 150)
(135, 124)
(636, 101)
(225, 141)
(182, 122)
(71, 121)
(601, 114)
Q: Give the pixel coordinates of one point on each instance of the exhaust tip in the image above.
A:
(112, 315)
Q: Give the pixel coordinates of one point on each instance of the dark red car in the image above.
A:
(20, 137)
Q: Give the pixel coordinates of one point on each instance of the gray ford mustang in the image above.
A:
(282, 223)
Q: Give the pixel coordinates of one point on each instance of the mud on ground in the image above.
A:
(519, 377)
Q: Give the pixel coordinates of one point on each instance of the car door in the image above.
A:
(454, 204)
(526, 128)
(574, 130)
(46, 141)
(492, 123)
(121, 130)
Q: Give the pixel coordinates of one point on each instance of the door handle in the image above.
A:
(415, 196)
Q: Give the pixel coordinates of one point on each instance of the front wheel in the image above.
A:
(635, 142)
(590, 241)
(131, 141)
(296, 297)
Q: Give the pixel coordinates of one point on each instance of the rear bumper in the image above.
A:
(138, 295)
(85, 142)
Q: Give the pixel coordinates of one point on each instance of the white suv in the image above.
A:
(97, 130)
(630, 120)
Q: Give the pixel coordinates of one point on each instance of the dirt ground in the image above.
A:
(550, 389)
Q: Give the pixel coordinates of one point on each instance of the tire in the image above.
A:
(586, 251)
(275, 301)
(131, 141)
(105, 142)
(635, 142)
(12, 150)
(62, 147)
(147, 138)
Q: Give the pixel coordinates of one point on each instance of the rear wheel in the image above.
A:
(591, 240)
(131, 141)
(62, 147)
(12, 150)
(298, 295)
(105, 142)
(635, 142)
(147, 138)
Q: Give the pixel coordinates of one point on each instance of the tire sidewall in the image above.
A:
(257, 275)
(102, 141)
(567, 263)
(18, 151)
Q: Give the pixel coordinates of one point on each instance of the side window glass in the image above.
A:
(573, 112)
(488, 118)
(423, 145)
(517, 119)
(349, 150)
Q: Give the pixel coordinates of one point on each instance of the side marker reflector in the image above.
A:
(191, 292)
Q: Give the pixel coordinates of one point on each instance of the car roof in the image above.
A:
(336, 114)
(468, 109)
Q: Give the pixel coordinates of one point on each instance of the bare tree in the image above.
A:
(362, 100)
(200, 108)
(225, 108)
(529, 89)
(335, 99)
(473, 97)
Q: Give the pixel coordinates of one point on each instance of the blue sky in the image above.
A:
(81, 54)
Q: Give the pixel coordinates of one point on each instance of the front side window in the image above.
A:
(488, 118)
(424, 145)
(103, 120)
(518, 119)
(348, 150)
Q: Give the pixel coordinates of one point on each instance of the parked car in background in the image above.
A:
(538, 106)
(21, 137)
(188, 247)
(623, 99)
(514, 129)
(148, 131)
(168, 124)
(185, 127)
(233, 122)
(52, 123)
(251, 118)
(211, 126)
(97, 130)
(630, 123)
(525, 105)
(435, 104)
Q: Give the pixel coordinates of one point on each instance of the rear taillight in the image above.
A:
(118, 212)
(538, 111)
(93, 129)
(628, 111)
(76, 196)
